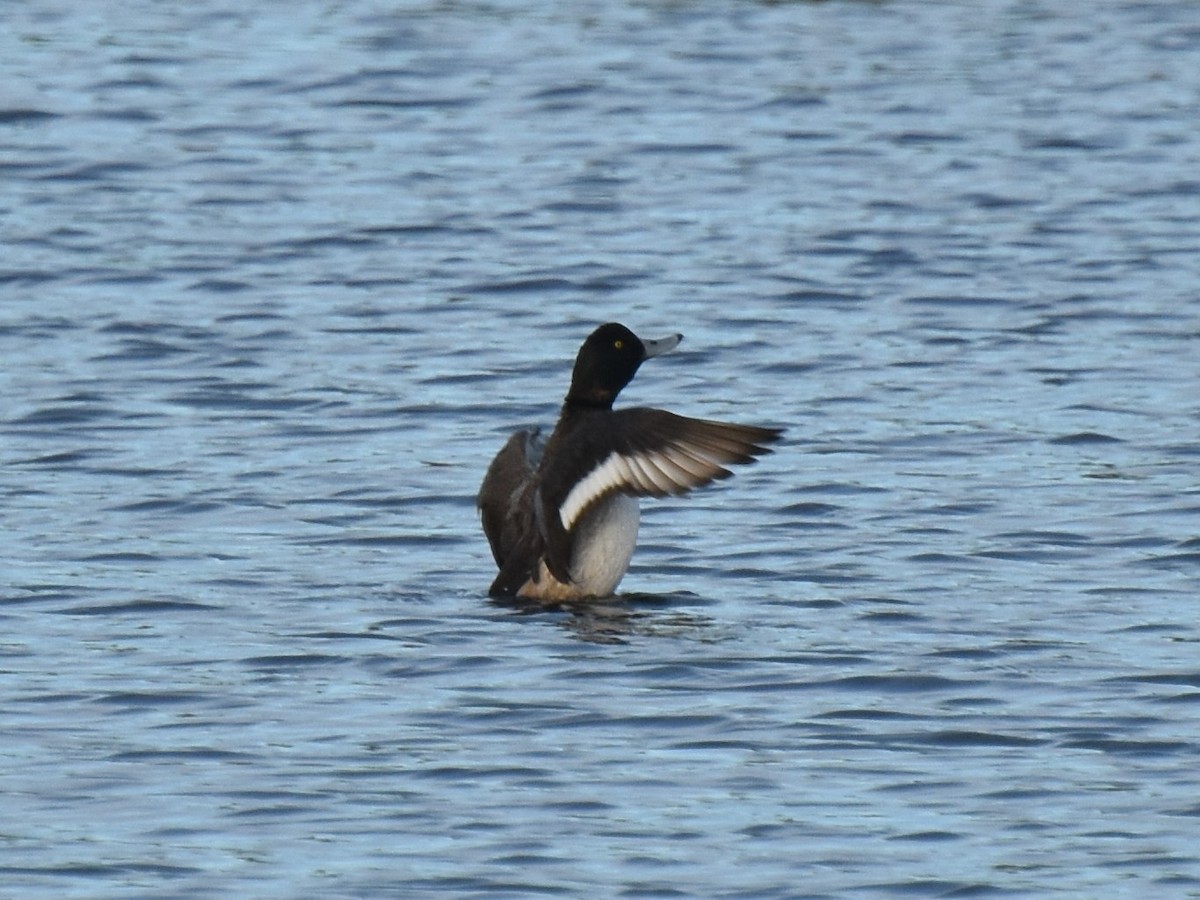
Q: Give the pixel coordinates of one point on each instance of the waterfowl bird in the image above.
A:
(561, 515)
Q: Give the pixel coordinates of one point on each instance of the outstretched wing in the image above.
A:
(643, 452)
(503, 515)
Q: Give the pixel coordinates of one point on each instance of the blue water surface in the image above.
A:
(279, 279)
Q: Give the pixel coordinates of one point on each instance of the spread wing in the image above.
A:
(643, 452)
(504, 515)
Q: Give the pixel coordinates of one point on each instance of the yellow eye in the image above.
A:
(618, 344)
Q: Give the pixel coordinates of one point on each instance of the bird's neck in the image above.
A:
(597, 398)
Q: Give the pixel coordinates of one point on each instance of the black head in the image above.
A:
(608, 360)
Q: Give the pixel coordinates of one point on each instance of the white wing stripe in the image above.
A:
(609, 474)
(631, 475)
(672, 469)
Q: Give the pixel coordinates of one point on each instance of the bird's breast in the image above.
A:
(603, 545)
(604, 542)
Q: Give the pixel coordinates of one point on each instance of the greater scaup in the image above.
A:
(561, 516)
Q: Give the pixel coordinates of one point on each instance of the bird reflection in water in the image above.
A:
(616, 619)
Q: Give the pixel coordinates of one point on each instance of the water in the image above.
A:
(276, 283)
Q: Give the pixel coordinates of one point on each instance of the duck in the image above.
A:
(561, 513)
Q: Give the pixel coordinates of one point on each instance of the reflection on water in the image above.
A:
(615, 620)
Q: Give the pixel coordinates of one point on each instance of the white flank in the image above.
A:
(604, 545)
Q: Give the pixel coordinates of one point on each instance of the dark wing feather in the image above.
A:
(642, 452)
(506, 508)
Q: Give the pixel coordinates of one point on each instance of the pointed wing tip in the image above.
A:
(769, 435)
(759, 439)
